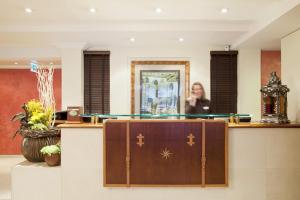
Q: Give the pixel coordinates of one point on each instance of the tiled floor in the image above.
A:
(6, 164)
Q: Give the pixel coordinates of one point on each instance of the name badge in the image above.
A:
(205, 107)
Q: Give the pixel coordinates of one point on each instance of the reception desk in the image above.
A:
(165, 153)
(263, 164)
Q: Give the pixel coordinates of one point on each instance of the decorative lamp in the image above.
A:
(274, 101)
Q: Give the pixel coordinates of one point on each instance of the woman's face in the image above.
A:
(197, 91)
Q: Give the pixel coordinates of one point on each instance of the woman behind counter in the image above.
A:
(197, 102)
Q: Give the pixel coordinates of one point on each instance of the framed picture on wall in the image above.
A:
(159, 87)
(159, 91)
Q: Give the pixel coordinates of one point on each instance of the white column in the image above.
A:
(290, 71)
(249, 82)
(72, 74)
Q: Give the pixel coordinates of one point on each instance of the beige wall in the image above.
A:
(199, 57)
(248, 73)
(290, 72)
(72, 77)
(120, 68)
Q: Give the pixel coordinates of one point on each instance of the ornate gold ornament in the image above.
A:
(190, 138)
(140, 138)
(274, 101)
(165, 153)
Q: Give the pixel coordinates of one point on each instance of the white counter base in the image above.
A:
(36, 181)
(264, 164)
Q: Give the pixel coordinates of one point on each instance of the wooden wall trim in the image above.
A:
(132, 77)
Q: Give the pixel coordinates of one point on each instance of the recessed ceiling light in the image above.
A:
(180, 39)
(92, 10)
(224, 10)
(28, 10)
(16, 63)
(158, 10)
(132, 39)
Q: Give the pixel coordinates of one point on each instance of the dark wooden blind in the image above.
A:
(97, 82)
(223, 77)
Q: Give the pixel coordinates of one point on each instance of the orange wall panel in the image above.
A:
(17, 86)
(270, 61)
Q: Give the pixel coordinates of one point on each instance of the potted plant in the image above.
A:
(36, 130)
(51, 154)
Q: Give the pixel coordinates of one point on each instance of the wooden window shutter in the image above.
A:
(97, 82)
(223, 76)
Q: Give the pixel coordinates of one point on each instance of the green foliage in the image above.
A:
(39, 127)
(34, 106)
(49, 116)
(19, 116)
(51, 149)
(36, 117)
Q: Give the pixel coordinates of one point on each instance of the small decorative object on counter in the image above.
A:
(231, 118)
(93, 119)
(96, 119)
(237, 119)
(274, 101)
(52, 154)
(73, 114)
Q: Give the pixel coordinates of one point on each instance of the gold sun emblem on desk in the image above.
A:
(166, 153)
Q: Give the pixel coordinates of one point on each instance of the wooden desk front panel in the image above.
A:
(215, 153)
(165, 158)
(160, 153)
(115, 153)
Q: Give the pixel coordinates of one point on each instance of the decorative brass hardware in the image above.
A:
(140, 138)
(191, 137)
(166, 153)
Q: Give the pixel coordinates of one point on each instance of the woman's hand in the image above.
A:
(192, 100)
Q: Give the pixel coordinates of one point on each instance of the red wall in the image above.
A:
(17, 86)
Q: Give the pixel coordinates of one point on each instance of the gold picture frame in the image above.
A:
(185, 65)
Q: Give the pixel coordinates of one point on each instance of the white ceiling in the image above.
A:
(75, 11)
(269, 36)
(199, 22)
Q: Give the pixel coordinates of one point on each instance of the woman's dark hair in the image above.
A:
(203, 91)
